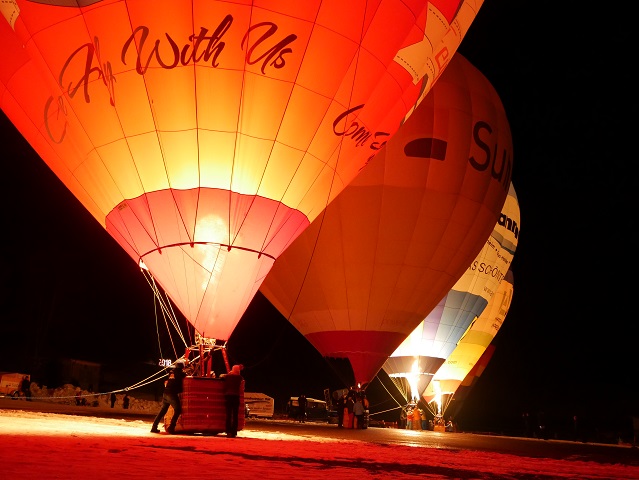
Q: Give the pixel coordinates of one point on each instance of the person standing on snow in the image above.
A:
(171, 398)
(232, 389)
(25, 387)
(340, 405)
(301, 413)
(349, 416)
(358, 412)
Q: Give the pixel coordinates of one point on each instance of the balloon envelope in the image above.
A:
(389, 247)
(206, 135)
(422, 353)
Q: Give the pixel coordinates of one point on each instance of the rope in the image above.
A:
(142, 383)
(390, 395)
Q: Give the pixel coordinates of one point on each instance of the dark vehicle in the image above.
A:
(316, 410)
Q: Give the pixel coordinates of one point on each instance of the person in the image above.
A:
(232, 389)
(526, 419)
(113, 399)
(367, 407)
(340, 404)
(25, 387)
(125, 401)
(365, 402)
(349, 415)
(424, 418)
(541, 425)
(409, 417)
(171, 398)
(449, 426)
(358, 412)
(301, 412)
(402, 418)
(417, 419)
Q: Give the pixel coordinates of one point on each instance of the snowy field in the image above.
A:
(41, 445)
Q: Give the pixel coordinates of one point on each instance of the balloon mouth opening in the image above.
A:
(193, 244)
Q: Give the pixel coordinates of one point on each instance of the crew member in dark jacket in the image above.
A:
(340, 405)
(25, 387)
(232, 389)
(171, 398)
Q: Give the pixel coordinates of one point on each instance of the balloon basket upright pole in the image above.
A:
(203, 361)
(203, 351)
(226, 360)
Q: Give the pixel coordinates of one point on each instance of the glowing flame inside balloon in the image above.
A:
(413, 380)
(211, 227)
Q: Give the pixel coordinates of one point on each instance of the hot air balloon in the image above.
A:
(389, 247)
(206, 135)
(422, 353)
(474, 343)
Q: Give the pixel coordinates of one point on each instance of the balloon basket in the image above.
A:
(203, 407)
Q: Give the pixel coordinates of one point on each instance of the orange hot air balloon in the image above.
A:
(394, 242)
(206, 135)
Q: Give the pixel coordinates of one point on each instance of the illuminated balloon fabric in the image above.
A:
(474, 342)
(205, 135)
(475, 372)
(439, 333)
(428, 59)
(473, 291)
(422, 353)
(471, 379)
(390, 246)
(452, 405)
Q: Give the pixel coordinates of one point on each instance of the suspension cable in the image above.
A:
(390, 395)
(168, 314)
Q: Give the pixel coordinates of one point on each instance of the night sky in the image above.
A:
(568, 342)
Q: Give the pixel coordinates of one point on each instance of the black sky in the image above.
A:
(568, 342)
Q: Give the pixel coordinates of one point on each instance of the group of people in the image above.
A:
(173, 386)
(351, 409)
(415, 418)
(125, 400)
(412, 417)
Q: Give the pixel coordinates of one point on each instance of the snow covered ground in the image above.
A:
(35, 444)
